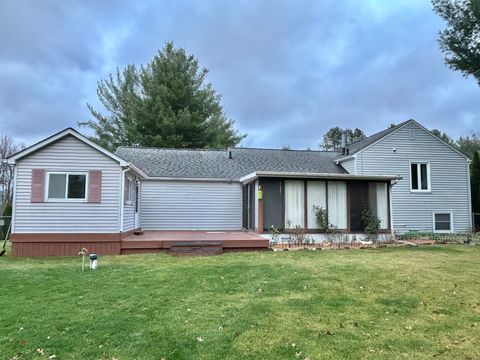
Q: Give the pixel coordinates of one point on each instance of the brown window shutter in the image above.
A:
(38, 185)
(95, 186)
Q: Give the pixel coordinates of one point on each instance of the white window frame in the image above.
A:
(450, 212)
(419, 177)
(67, 173)
(130, 186)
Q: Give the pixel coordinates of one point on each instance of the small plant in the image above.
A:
(296, 235)
(275, 233)
(371, 224)
(321, 218)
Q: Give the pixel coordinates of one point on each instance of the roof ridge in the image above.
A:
(164, 148)
(378, 132)
(273, 149)
(232, 148)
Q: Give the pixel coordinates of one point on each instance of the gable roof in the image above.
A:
(216, 164)
(369, 140)
(372, 139)
(60, 135)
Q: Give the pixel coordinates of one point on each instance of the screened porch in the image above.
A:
(292, 203)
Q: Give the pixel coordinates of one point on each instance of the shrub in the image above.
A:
(371, 225)
(321, 218)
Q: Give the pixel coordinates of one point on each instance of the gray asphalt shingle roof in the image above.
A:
(215, 164)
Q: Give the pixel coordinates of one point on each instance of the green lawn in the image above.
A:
(390, 303)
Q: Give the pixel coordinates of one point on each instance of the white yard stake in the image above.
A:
(83, 253)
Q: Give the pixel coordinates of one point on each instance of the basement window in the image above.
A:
(420, 177)
(66, 186)
(442, 222)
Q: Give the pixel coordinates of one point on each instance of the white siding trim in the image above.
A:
(469, 189)
(58, 136)
(14, 199)
(122, 198)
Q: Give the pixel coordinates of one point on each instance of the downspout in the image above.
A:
(122, 198)
(469, 192)
(392, 230)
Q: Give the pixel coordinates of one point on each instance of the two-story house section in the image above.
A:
(433, 194)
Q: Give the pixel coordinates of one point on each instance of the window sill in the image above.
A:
(420, 191)
(66, 200)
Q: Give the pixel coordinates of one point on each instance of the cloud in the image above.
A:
(287, 70)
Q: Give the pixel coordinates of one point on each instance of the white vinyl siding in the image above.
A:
(67, 155)
(448, 178)
(191, 205)
(349, 165)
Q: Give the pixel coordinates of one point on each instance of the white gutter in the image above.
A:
(137, 170)
(302, 175)
(343, 158)
(172, 178)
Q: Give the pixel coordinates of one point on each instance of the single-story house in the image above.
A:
(70, 192)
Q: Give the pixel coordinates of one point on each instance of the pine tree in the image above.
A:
(166, 103)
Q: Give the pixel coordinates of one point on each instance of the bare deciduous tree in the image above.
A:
(8, 146)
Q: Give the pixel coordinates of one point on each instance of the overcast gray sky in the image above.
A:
(287, 70)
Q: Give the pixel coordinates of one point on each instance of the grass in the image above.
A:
(405, 303)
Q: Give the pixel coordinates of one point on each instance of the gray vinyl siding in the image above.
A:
(349, 165)
(448, 177)
(191, 205)
(67, 154)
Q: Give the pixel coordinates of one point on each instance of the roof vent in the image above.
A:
(230, 154)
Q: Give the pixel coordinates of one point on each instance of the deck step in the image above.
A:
(198, 248)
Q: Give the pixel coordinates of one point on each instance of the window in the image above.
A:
(420, 176)
(66, 186)
(316, 196)
(378, 202)
(337, 204)
(442, 222)
(294, 204)
(129, 190)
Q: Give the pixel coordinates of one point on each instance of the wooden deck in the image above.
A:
(162, 241)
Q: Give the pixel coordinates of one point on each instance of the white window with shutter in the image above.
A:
(66, 186)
